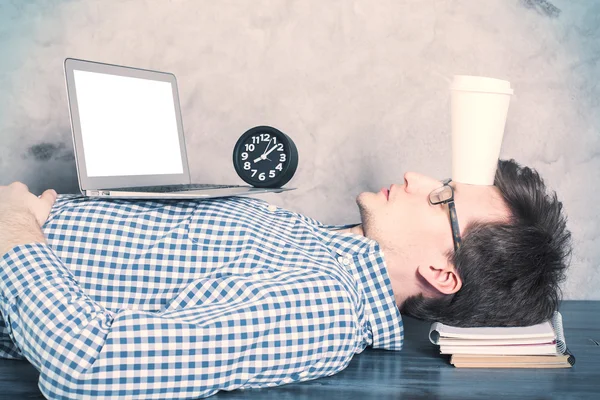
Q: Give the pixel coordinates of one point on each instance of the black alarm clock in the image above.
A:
(265, 157)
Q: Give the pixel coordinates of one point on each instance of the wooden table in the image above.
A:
(417, 372)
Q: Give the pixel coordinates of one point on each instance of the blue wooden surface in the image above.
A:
(417, 372)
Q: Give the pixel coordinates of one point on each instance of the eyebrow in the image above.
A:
(455, 189)
(453, 184)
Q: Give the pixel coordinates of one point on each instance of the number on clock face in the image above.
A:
(263, 156)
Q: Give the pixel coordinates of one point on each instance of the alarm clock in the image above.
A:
(265, 157)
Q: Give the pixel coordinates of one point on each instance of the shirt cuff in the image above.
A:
(27, 265)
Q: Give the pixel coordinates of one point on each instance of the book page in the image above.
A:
(444, 341)
(526, 349)
(543, 330)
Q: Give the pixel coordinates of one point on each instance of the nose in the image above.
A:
(418, 183)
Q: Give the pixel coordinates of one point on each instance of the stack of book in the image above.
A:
(537, 346)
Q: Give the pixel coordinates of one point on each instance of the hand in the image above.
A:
(17, 199)
(22, 214)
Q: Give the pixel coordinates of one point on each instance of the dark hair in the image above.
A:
(510, 271)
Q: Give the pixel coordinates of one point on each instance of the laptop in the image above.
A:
(128, 135)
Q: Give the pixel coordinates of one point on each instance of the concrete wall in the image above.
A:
(361, 86)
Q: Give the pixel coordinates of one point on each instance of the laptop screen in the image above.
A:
(128, 125)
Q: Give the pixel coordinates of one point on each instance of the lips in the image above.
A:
(386, 192)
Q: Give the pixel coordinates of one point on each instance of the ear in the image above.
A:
(444, 280)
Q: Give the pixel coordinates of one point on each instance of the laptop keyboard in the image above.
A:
(175, 188)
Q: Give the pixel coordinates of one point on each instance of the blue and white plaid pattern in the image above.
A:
(178, 300)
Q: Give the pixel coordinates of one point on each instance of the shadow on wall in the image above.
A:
(46, 159)
(543, 7)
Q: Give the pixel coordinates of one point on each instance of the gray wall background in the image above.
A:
(361, 86)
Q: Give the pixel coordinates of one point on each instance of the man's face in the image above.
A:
(414, 233)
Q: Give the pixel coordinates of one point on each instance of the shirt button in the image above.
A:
(340, 259)
(346, 261)
(272, 208)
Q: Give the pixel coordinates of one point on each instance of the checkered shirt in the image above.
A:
(181, 299)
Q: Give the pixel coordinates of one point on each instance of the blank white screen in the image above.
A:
(128, 125)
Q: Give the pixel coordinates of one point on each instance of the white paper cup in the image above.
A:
(479, 107)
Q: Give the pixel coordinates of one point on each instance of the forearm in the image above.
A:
(18, 228)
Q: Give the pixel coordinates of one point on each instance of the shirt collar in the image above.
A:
(367, 264)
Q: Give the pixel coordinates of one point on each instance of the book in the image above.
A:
(493, 342)
(537, 346)
(494, 361)
(539, 331)
(519, 365)
(511, 349)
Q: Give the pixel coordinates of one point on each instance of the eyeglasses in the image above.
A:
(445, 195)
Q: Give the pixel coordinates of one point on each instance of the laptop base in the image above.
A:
(188, 194)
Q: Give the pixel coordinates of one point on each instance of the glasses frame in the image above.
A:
(451, 210)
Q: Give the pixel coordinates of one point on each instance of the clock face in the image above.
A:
(265, 157)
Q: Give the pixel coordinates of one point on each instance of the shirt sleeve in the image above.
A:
(219, 333)
(7, 347)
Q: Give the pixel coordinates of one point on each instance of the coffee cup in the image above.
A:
(479, 106)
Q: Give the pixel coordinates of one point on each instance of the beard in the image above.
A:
(375, 225)
(366, 215)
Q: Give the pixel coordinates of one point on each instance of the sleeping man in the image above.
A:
(115, 299)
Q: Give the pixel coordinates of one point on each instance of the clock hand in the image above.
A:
(267, 146)
(265, 154)
(270, 151)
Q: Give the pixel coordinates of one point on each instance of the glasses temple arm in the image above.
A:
(455, 227)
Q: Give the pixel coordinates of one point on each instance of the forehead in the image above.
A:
(483, 203)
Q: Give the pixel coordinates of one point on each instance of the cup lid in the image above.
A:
(480, 84)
